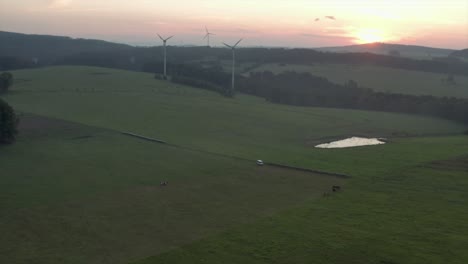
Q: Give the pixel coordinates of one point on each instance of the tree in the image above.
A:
(451, 80)
(351, 84)
(8, 123)
(395, 53)
(6, 80)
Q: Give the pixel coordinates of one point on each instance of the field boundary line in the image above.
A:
(236, 157)
(307, 170)
(143, 137)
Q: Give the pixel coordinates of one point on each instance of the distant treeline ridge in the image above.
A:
(304, 89)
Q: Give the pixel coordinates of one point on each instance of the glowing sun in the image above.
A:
(368, 36)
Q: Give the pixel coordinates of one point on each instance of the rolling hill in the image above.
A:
(21, 51)
(411, 51)
(48, 48)
(74, 189)
(460, 54)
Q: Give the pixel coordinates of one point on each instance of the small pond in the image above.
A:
(352, 142)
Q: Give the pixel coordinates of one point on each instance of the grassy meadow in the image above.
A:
(75, 190)
(247, 127)
(411, 215)
(67, 198)
(382, 79)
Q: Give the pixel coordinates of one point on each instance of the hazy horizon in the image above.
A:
(441, 24)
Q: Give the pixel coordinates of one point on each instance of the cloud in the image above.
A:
(60, 3)
(336, 30)
(335, 37)
(157, 23)
(239, 30)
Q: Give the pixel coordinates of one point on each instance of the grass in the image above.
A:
(247, 127)
(416, 215)
(74, 190)
(98, 199)
(382, 78)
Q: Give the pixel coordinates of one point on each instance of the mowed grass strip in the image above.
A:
(66, 198)
(382, 79)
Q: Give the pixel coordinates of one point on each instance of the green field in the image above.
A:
(75, 190)
(412, 215)
(248, 127)
(381, 78)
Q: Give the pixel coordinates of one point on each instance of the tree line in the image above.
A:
(140, 59)
(304, 89)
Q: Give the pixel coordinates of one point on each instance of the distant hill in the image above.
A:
(28, 50)
(18, 51)
(48, 48)
(460, 54)
(411, 51)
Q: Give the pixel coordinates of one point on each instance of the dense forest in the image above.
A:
(304, 89)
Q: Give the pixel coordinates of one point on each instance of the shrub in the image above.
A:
(8, 123)
(158, 76)
(6, 80)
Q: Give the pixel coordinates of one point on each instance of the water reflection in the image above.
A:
(352, 142)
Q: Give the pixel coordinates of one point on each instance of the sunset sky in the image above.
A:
(260, 22)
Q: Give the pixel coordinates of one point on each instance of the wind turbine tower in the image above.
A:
(165, 57)
(207, 36)
(233, 48)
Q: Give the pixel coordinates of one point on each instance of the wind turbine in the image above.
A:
(207, 36)
(233, 48)
(164, 41)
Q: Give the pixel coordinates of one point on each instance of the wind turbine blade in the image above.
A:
(237, 43)
(205, 36)
(160, 37)
(169, 38)
(227, 45)
(206, 29)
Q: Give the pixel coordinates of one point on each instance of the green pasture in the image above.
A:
(85, 195)
(75, 190)
(415, 214)
(247, 126)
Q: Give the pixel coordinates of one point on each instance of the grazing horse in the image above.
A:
(336, 188)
